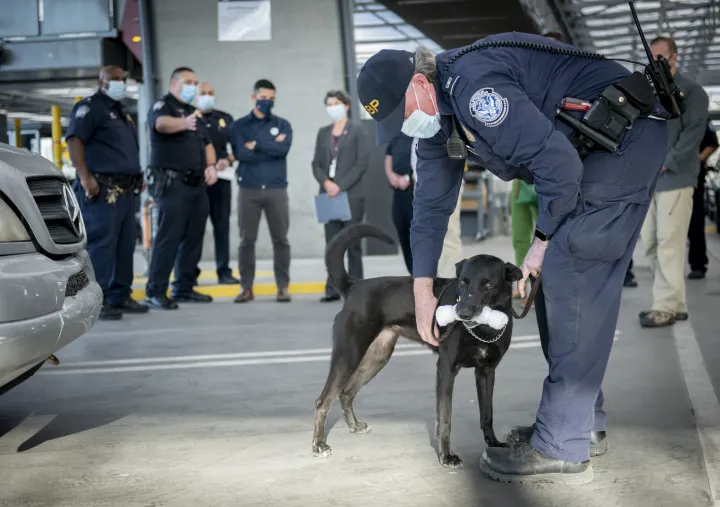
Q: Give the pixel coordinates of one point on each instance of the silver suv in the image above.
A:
(48, 293)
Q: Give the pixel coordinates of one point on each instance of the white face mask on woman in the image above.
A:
(336, 112)
(420, 124)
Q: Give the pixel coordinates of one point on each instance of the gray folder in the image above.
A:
(332, 208)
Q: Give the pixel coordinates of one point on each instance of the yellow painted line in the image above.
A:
(204, 275)
(710, 228)
(261, 289)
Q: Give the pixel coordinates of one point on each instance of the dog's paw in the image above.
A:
(361, 427)
(451, 461)
(321, 450)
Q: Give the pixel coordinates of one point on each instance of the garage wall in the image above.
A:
(303, 60)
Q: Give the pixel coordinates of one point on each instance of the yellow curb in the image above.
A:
(204, 275)
(710, 228)
(261, 289)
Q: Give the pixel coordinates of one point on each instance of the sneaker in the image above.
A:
(283, 296)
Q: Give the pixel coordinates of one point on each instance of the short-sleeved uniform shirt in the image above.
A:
(217, 124)
(182, 151)
(108, 133)
(400, 149)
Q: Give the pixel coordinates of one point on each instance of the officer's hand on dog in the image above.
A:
(90, 185)
(425, 307)
(532, 265)
(210, 175)
(191, 122)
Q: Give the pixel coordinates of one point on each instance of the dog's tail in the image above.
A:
(335, 252)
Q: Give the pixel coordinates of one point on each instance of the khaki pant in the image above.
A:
(452, 245)
(664, 237)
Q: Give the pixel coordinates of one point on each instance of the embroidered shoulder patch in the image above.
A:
(82, 111)
(489, 107)
(158, 105)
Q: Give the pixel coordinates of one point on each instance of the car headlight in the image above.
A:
(11, 228)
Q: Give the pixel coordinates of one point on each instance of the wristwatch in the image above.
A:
(541, 235)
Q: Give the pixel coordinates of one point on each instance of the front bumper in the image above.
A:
(37, 318)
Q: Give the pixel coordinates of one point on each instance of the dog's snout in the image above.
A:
(465, 313)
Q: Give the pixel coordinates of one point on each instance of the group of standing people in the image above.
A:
(192, 142)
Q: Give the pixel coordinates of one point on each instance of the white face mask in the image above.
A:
(336, 112)
(420, 124)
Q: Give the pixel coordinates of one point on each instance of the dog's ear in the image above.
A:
(512, 272)
(459, 267)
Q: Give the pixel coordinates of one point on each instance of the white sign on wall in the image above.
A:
(244, 20)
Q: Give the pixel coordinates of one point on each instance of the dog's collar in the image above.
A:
(500, 333)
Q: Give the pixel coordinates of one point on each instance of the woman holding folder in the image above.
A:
(340, 162)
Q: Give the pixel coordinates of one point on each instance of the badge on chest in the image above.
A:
(222, 123)
(274, 131)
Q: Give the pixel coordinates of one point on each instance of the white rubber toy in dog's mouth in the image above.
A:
(494, 318)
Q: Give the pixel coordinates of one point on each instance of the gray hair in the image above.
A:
(425, 63)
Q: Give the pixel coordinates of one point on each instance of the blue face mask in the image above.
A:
(264, 105)
(187, 94)
(116, 90)
(205, 102)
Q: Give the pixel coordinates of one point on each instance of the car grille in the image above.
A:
(76, 283)
(59, 209)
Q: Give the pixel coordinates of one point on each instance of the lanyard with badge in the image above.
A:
(334, 148)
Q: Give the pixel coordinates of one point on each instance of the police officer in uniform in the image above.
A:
(220, 194)
(502, 101)
(103, 145)
(181, 164)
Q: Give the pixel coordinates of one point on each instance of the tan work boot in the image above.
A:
(283, 296)
(244, 296)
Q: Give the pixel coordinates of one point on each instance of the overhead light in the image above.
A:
(136, 38)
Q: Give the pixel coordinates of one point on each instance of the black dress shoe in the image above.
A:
(329, 298)
(107, 312)
(696, 274)
(192, 297)
(161, 302)
(630, 280)
(129, 305)
(522, 434)
(523, 463)
(228, 280)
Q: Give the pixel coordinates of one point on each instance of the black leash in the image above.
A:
(530, 299)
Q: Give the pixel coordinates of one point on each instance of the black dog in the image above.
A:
(379, 310)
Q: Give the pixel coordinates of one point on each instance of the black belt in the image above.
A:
(190, 178)
(121, 181)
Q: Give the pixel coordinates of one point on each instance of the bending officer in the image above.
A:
(502, 102)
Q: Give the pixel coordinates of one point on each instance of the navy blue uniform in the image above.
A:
(504, 100)
(182, 204)
(218, 124)
(111, 154)
(402, 205)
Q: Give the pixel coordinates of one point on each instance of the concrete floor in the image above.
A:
(213, 406)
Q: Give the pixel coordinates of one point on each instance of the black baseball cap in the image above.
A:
(382, 83)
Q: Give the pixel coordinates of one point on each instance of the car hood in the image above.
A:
(26, 162)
